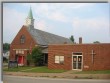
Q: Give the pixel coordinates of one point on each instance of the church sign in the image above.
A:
(12, 64)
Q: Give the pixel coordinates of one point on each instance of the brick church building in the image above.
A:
(59, 52)
(28, 37)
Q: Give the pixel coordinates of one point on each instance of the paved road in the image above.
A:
(23, 79)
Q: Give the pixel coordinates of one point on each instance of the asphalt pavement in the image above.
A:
(23, 79)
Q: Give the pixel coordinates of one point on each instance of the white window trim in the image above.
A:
(59, 59)
(19, 51)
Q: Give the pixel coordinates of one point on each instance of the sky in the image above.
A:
(87, 20)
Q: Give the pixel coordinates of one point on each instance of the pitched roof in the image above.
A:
(45, 38)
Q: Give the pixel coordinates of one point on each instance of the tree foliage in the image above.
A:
(36, 56)
(96, 42)
(6, 46)
(72, 38)
(29, 59)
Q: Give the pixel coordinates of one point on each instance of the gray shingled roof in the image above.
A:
(45, 38)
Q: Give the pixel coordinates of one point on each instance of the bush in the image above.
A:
(29, 60)
(35, 57)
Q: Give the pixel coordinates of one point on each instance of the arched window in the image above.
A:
(22, 39)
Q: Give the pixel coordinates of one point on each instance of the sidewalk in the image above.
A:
(67, 74)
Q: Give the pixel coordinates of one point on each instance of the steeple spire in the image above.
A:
(30, 15)
(30, 20)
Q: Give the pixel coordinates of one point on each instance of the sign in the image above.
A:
(12, 64)
(86, 66)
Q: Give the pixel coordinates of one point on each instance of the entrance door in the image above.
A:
(77, 62)
(20, 60)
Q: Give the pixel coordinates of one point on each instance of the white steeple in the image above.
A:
(29, 19)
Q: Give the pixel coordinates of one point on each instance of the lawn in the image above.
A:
(34, 69)
(45, 69)
(93, 72)
(16, 69)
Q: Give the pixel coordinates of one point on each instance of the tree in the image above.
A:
(29, 60)
(96, 42)
(6, 46)
(72, 38)
(37, 56)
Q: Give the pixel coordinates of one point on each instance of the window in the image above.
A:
(22, 39)
(22, 52)
(19, 52)
(59, 59)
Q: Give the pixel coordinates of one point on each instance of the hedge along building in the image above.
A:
(28, 37)
(79, 56)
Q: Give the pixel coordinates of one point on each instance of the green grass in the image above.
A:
(34, 69)
(16, 69)
(45, 70)
(93, 72)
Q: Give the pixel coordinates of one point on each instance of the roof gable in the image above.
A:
(29, 40)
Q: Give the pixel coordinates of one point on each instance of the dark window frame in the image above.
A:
(22, 39)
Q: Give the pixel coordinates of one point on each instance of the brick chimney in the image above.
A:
(80, 40)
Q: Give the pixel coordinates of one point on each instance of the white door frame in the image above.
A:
(81, 63)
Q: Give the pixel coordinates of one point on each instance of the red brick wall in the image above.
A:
(101, 58)
(29, 43)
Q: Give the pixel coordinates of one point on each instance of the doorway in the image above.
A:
(20, 60)
(77, 62)
(45, 61)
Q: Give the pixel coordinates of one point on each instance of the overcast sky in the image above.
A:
(87, 20)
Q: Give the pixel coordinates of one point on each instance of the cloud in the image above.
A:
(53, 11)
(12, 22)
(41, 25)
(90, 23)
(78, 5)
(91, 29)
(38, 8)
(58, 16)
(50, 12)
(33, 5)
